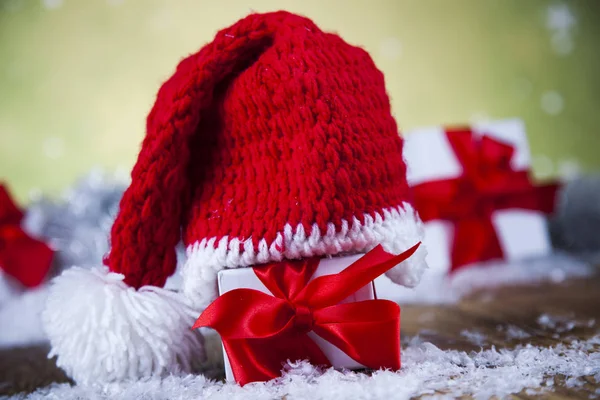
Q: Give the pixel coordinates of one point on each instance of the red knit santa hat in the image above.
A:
(274, 141)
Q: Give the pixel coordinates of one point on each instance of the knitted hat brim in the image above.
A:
(395, 228)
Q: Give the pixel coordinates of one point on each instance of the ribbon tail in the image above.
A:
(9, 211)
(547, 197)
(329, 290)
(248, 362)
(26, 259)
(367, 331)
(260, 360)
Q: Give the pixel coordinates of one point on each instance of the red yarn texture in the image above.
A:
(275, 122)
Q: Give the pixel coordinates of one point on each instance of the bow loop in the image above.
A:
(287, 279)
(21, 256)
(260, 315)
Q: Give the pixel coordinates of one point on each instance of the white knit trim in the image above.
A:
(101, 330)
(396, 229)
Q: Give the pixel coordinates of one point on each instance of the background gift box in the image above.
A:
(473, 190)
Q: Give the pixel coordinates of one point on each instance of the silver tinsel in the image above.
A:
(575, 227)
(77, 226)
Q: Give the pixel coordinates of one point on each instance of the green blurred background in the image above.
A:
(77, 77)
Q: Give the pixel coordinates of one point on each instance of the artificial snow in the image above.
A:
(20, 319)
(9, 288)
(513, 332)
(442, 289)
(426, 370)
(562, 324)
(475, 337)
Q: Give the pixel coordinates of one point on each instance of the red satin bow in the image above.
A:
(22, 257)
(488, 184)
(260, 332)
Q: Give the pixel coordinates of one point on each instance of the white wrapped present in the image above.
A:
(473, 191)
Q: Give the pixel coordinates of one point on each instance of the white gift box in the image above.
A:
(429, 157)
(246, 278)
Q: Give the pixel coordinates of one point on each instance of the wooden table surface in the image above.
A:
(489, 312)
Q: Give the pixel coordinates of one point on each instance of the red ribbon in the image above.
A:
(22, 257)
(260, 332)
(488, 183)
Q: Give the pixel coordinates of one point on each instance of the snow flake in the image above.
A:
(542, 165)
(552, 102)
(569, 169)
(35, 194)
(426, 370)
(54, 147)
(513, 332)
(560, 22)
(52, 4)
(390, 48)
(560, 18)
(563, 324)
(562, 43)
(479, 117)
(475, 337)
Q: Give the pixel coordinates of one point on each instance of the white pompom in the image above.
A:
(409, 272)
(400, 229)
(102, 330)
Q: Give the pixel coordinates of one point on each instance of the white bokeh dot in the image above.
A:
(552, 102)
(390, 48)
(52, 4)
(542, 165)
(562, 43)
(162, 20)
(560, 22)
(479, 117)
(123, 173)
(35, 194)
(569, 169)
(560, 18)
(54, 147)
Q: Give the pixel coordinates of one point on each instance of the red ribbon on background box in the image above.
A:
(487, 184)
(21, 256)
(260, 332)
